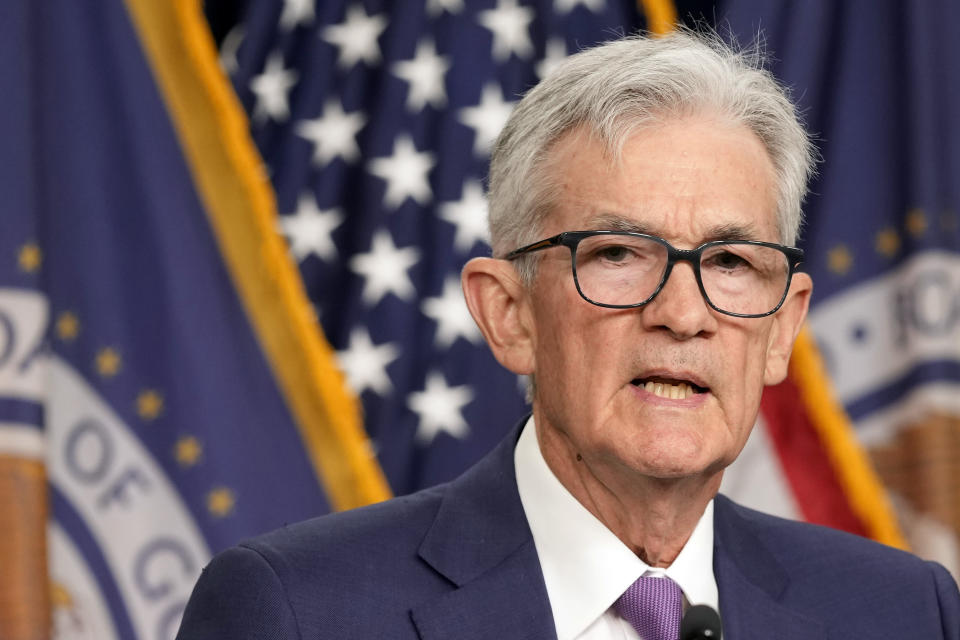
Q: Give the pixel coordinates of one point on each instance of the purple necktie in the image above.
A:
(652, 606)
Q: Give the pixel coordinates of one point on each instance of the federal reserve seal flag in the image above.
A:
(164, 389)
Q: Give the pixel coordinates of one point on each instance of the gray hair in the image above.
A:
(615, 89)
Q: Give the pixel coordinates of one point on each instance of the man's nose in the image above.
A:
(680, 307)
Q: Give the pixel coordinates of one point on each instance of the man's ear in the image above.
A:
(499, 305)
(786, 326)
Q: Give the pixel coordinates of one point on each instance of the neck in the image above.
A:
(652, 516)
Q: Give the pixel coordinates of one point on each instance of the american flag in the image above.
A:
(375, 120)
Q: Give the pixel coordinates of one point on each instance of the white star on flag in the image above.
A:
(450, 313)
(556, 52)
(271, 88)
(436, 7)
(384, 268)
(487, 118)
(365, 364)
(469, 216)
(566, 6)
(440, 408)
(296, 12)
(356, 37)
(424, 73)
(405, 173)
(309, 229)
(510, 25)
(333, 133)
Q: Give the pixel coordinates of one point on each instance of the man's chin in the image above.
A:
(676, 472)
(677, 451)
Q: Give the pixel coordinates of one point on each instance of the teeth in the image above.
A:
(672, 391)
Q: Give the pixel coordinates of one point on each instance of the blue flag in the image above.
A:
(879, 84)
(156, 349)
(376, 121)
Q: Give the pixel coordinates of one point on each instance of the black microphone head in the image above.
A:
(700, 622)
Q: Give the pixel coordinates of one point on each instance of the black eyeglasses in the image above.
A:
(621, 270)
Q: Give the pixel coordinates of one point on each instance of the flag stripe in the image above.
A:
(860, 482)
(241, 209)
(22, 411)
(802, 458)
(24, 441)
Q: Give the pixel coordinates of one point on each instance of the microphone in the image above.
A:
(700, 622)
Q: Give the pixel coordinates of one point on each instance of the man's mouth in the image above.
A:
(669, 387)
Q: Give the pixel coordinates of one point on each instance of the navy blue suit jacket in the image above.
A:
(458, 561)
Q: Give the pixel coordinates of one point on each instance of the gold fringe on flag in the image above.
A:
(661, 15)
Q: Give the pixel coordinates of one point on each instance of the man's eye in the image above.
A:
(614, 253)
(727, 260)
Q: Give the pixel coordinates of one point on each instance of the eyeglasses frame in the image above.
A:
(571, 239)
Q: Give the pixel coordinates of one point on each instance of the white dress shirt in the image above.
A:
(585, 566)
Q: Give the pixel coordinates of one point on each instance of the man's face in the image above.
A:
(689, 181)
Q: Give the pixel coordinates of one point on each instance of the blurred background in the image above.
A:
(229, 293)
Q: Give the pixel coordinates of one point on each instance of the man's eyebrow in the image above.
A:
(728, 232)
(732, 232)
(613, 222)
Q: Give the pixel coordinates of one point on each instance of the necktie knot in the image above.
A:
(652, 606)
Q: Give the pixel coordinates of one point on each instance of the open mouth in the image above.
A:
(668, 388)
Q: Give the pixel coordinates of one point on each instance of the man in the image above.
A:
(642, 203)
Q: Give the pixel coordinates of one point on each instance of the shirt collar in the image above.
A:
(585, 566)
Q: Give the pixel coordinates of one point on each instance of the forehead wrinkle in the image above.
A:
(726, 231)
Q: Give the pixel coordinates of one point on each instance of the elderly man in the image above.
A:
(643, 200)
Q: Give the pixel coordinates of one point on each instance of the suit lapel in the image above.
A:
(481, 542)
(508, 601)
(751, 582)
